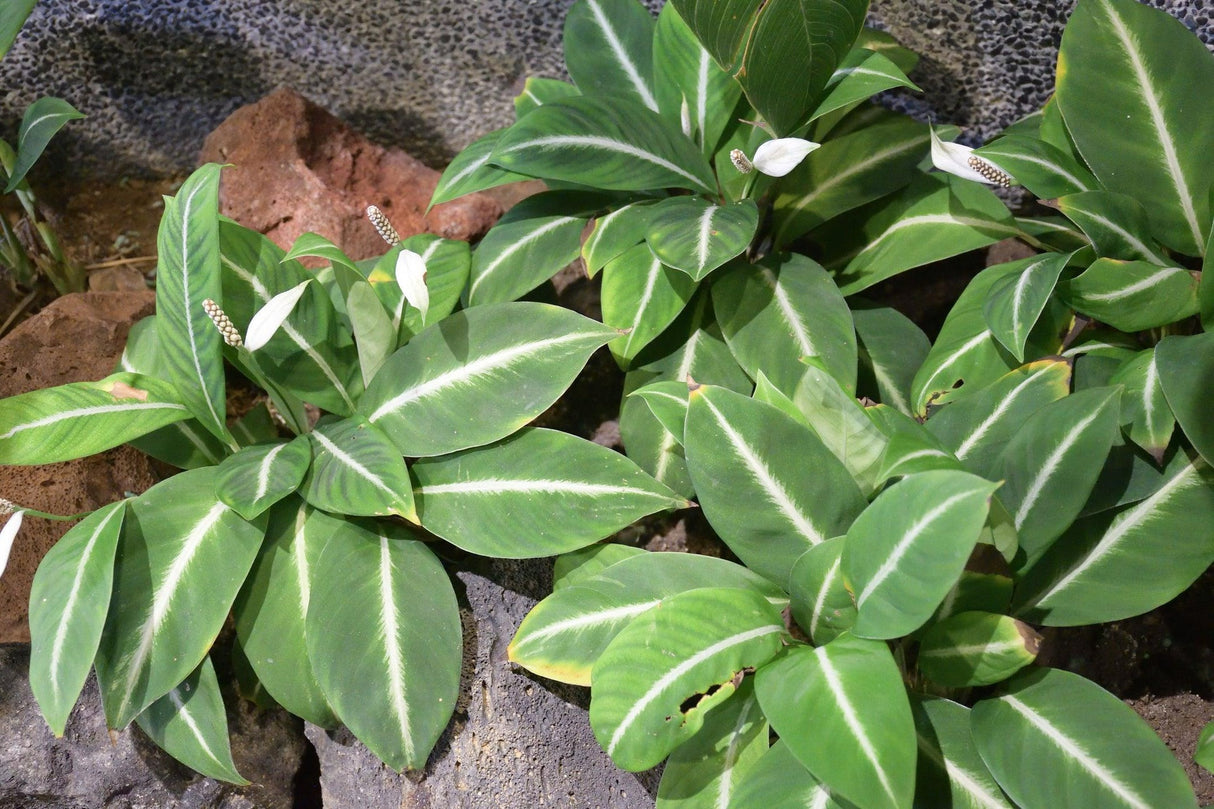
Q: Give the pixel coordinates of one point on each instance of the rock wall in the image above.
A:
(154, 76)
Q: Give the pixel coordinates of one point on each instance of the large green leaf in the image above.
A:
(862, 73)
(68, 602)
(383, 635)
(257, 477)
(1133, 295)
(563, 635)
(612, 142)
(614, 233)
(1056, 739)
(187, 273)
(12, 17)
(1186, 367)
(821, 603)
(1129, 85)
(42, 120)
(748, 461)
(357, 470)
(764, 44)
(609, 49)
(1146, 414)
(1123, 563)
(687, 75)
(576, 566)
(470, 170)
(653, 685)
(1116, 224)
(181, 559)
(950, 772)
(1017, 301)
(891, 349)
(975, 648)
(536, 493)
(189, 724)
(83, 418)
(271, 610)
(696, 236)
(842, 710)
(479, 375)
(780, 310)
(538, 91)
(640, 298)
(779, 781)
(1044, 169)
(904, 553)
(840, 422)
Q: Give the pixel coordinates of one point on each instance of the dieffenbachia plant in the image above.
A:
(393, 420)
(905, 513)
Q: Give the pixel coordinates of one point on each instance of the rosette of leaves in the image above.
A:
(314, 522)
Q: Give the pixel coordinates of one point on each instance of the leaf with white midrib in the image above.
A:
(357, 470)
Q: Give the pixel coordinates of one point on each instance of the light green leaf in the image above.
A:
(83, 418)
(904, 553)
(695, 236)
(976, 648)
(1145, 411)
(1186, 366)
(950, 773)
(1045, 170)
(686, 74)
(374, 332)
(576, 566)
(1056, 737)
(537, 493)
(69, 598)
(12, 17)
(611, 142)
(1116, 224)
(1129, 85)
(748, 461)
(1017, 300)
(257, 477)
(614, 233)
(271, 610)
(383, 634)
(538, 91)
(479, 375)
(640, 298)
(821, 603)
(839, 421)
(189, 724)
(1133, 295)
(470, 170)
(609, 49)
(653, 685)
(1118, 564)
(313, 245)
(180, 562)
(1204, 755)
(42, 120)
(842, 710)
(357, 470)
(668, 403)
(779, 781)
(780, 310)
(862, 74)
(563, 635)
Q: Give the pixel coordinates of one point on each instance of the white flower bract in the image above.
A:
(958, 159)
(411, 278)
(271, 316)
(7, 535)
(775, 158)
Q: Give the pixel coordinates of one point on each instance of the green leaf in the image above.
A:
(780, 310)
(563, 635)
(1118, 564)
(83, 418)
(187, 273)
(180, 562)
(271, 610)
(950, 773)
(976, 648)
(1045, 170)
(904, 553)
(686, 74)
(257, 477)
(1186, 366)
(357, 470)
(1205, 291)
(779, 781)
(470, 170)
(640, 298)
(609, 49)
(936, 217)
(1204, 755)
(1050, 465)
(703, 771)
(1116, 224)
(742, 453)
(538, 91)
(842, 710)
(479, 375)
(891, 349)
(576, 566)
(383, 635)
(653, 685)
(614, 233)
(610, 143)
(764, 45)
(1055, 736)
(821, 603)
(12, 17)
(189, 724)
(695, 236)
(862, 74)
(313, 245)
(537, 493)
(668, 403)
(1133, 295)
(42, 120)
(841, 424)
(374, 332)
(1017, 300)
(1129, 86)
(69, 598)
(1144, 407)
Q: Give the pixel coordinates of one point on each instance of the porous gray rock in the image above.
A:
(431, 75)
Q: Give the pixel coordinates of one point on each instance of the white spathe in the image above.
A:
(775, 158)
(7, 535)
(271, 316)
(954, 158)
(411, 278)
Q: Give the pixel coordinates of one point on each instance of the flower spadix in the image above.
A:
(411, 278)
(775, 158)
(270, 317)
(960, 160)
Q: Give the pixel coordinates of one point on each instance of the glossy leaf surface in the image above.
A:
(257, 477)
(696, 236)
(357, 470)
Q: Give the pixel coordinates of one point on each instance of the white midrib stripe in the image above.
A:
(820, 602)
(819, 798)
(725, 784)
(263, 471)
(303, 577)
(935, 219)
(667, 679)
(97, 410)
(668, 443)
(163, 600)
(892, 393)
(1047, 470)
(790, 315)
(1148, 399)
(590, 620)
(922, 453)
(776, 493)
(67, 621)
(468, 370)
(835, 684)
(517, 246)
(651, 282)
(480, 161)
(969, 345)
(183, 713)
(390, 623)
(607, 144)
(346, 460)
(1004, 405)
(1054, 167)
(704, 240)
(1126, 522)
(855, 168)
(621, 56)
(702, 96)
(1022, 285)
(493, 486)
(1138, 286)
(1130, 238)
(1171, 159)
(192, 318)
(904, 544)
(975, 649)
(1071, 749)
(966, 780)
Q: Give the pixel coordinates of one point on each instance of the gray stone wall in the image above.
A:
(154, 76)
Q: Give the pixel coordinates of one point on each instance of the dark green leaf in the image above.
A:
(42, 120)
